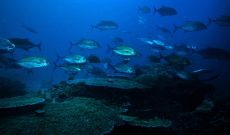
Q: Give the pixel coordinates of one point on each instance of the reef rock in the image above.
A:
(118, 83)
(20, 104)
(206, 106)
(156, 122)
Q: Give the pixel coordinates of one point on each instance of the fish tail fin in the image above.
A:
(171, 34)
(110, 66)
(55, 66)
(39, 46)
(209, 21)
(71, 45)
(161, 56)
(92, 28)
(109, 48)
(154, 10)
(175, 28)
(58, 57)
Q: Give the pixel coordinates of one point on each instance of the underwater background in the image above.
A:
(188, 41)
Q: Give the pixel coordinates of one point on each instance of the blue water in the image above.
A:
(59, 21)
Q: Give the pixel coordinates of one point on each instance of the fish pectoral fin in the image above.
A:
(92, 28)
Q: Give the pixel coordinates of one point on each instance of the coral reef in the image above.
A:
(78, 116)
(96, 105)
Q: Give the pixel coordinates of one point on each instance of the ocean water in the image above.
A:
(58, 22)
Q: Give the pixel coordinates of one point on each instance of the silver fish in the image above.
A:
(105, 25)
(75, 59)
(33, 62)
(6, 45)
(86, 44)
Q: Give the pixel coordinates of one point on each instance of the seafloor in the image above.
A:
(153, 103)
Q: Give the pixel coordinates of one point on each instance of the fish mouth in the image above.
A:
(10, 48)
